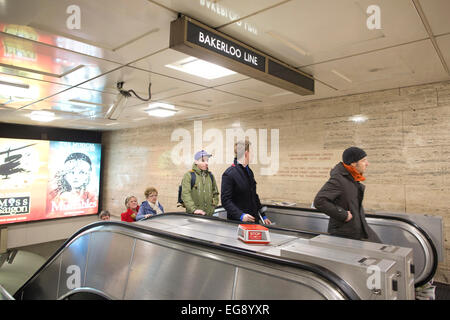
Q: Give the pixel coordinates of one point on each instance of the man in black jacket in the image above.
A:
(238, 191)
(342, 196)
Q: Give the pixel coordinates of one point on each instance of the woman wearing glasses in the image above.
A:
(151, 206)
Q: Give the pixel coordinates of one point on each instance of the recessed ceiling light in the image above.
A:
(200, 68)
(161, 110)
(358, 118)
(42, 116)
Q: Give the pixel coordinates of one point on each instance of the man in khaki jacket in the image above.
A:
(202, 196)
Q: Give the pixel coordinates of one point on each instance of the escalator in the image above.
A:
(393, 229)
(4, 294)
(168, 257)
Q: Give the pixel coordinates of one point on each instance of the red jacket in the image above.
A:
(126, 216)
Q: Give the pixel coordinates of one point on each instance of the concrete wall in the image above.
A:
(406, 136)
(26, 234)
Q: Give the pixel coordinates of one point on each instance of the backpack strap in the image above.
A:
(193, 177)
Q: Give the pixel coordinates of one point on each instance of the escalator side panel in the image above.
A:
(44, 287)
(123, 261)
(175, 274)
(395, 236)
(253, 285)
(108, 262)
(299, 222)
(432, 225)
(73, 265)
(390, 232)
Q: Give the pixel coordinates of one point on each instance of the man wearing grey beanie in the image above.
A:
(342, 195)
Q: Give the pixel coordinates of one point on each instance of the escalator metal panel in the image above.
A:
(211, 231)
(404, 235)
(5, 295)
(252, 285)
(129, 261)
(391, 230)
(108, 262)
(176, 275)
(432, 225)
(270, 280)
(73, 265)
(45, 287)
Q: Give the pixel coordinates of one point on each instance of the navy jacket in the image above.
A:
(238, 192)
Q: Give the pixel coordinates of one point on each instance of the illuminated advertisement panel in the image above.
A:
(42, 180)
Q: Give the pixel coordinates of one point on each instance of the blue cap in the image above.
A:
(201, 154)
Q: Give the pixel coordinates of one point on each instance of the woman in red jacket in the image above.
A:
(131, 203)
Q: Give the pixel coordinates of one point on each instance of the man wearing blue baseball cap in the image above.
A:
(199, 192)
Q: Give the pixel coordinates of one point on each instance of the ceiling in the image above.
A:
(56, 65)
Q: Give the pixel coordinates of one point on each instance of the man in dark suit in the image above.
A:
(238, 191)
(342, 195)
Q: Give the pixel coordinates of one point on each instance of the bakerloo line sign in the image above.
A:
(198, 40)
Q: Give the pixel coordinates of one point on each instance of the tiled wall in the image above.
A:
(406, 136)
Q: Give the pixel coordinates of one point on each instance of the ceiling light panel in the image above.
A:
(271, 95)
(32, 60)
(161, 112)
(411, 64)
(200, 68)
(437, 15)
(136, 34)
(216, 13)
(42, 116)
(328, 29)
(158, 64)
(214, 99)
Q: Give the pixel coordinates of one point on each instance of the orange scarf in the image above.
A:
(355, 174)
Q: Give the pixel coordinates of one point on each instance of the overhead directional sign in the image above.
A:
(198, 40)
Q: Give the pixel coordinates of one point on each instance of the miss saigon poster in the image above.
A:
(23, 179)
(47, 179)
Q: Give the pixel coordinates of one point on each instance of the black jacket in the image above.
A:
(238, 192)
(341, 193)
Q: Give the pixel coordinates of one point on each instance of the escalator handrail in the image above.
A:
(345, 289)
(5, 295)
(381, 216)
(86, 290)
